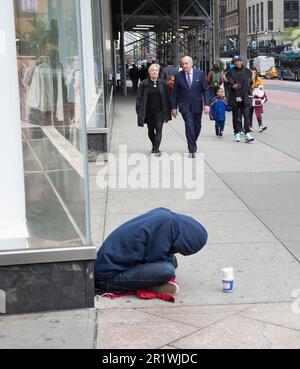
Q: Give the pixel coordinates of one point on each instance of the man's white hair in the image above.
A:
(191, 60)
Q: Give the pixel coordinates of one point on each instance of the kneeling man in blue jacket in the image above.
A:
(141, 253)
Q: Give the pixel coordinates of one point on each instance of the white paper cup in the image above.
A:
(228, 280)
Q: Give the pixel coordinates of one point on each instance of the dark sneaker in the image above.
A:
(156, 153)
(170, 288)
(262, 129)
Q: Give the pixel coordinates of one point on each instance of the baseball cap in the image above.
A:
(237, 58)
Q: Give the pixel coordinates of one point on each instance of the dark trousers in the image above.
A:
(245, 110)
(220, 126)
(135, 85)
(141, 276)
(241, 126)
(193, 126)
(155, 135)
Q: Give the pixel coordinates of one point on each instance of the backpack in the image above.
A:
(215, 79)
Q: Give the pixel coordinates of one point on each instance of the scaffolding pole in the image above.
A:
(216, 20)
(243, 28)
(175, 41)
(122, 51)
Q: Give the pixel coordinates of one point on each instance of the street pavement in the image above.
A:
(251, 208)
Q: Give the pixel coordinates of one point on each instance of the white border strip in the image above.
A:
(66, 149)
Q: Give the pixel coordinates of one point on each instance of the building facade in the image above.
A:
(268, 19)
(229, 25)
(57, 78)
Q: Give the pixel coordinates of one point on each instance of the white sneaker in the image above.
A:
(248, 138)
(237, 138)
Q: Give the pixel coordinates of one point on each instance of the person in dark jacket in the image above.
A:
(218, 110)
(153, 107)
(169, 71)
(144, 73)
(135, 75)
(141, 254)
(239, 80)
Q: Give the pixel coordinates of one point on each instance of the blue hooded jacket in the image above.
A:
(150, 238)
(218, 109)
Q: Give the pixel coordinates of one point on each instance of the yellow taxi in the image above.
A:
(272, 73)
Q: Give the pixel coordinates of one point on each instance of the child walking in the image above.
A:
(218, 109)
(259, 99)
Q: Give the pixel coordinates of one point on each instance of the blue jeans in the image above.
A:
(193, 126)
(220, 126)
(141, 276)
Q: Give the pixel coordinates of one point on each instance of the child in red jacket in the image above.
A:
(259, 99)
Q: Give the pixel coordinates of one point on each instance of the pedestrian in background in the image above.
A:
(218, 110)
(240, 97)
(191, 95)
(259, 98)
(169, 71)
(135, 75)
(143, 73)
(169, 75)
(153, 107)
(215, 80)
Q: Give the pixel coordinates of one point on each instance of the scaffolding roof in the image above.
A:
(160, 13)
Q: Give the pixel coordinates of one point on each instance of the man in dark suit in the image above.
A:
(190, 90)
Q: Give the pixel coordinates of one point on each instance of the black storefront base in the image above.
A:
(46, 287)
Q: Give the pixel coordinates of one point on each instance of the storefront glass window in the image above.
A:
(103, 58)
(53, 132)
(99, 115)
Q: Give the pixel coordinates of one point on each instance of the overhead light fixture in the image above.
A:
(145, 25)
(186, 27)
(141, 29)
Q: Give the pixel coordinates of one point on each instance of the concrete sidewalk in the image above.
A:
(251, 208)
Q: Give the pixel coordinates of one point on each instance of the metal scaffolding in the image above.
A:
(178, 28)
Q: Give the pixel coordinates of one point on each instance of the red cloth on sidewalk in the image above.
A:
(142, 295)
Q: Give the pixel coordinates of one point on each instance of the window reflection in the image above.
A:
(49, 73)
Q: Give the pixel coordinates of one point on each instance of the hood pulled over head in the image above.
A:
(191, 236)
